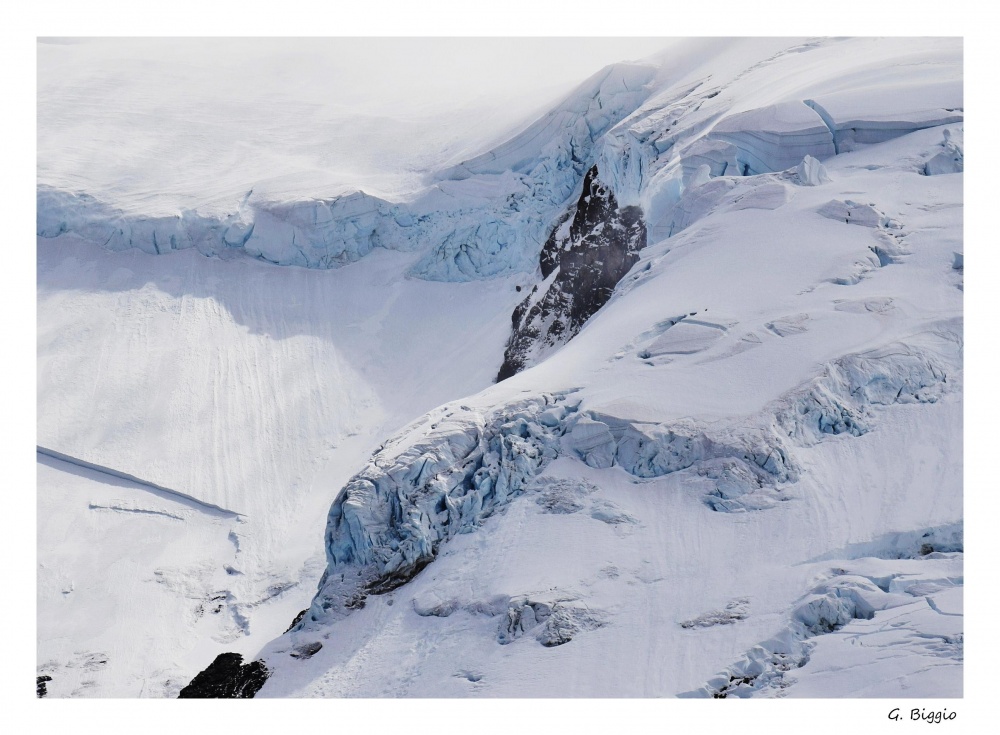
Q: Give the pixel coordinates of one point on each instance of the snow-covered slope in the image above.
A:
(737, 455)
(255, 388)
(800, 422)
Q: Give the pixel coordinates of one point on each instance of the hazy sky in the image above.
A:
(379, 71)
(193, 120)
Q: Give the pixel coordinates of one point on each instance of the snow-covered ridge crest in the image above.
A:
(316, 234)
(649, 131)
(483, 218)
(732, 115)
(445, 474)
(570, 129)
(744, 464)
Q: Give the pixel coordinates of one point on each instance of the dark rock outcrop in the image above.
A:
(297, 620)
(40, 688)
(581, 266)
(227, 678)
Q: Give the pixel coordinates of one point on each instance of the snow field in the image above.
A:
(747, 434)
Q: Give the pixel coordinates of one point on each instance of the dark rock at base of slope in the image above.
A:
(227, 678)
(393, 580)
(599, 248)
(40, 689)
(297, 620)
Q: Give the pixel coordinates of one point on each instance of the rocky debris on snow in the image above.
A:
(306, 650)
(733, 612)
(297, 619)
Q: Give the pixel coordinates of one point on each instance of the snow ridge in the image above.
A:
(490, 215)
(483, 218)
(390, 520)
(158, 489)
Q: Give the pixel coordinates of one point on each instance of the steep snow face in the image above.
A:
(684, 152)
(390, 520)
(447, 474)
(774, 137)
(539, 171)
(739, 117)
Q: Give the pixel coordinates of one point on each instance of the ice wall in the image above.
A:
(652, 131)
(448, 472)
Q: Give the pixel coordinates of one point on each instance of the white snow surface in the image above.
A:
(743, 477)
(255, 388)
(740, 106)
(156, 125)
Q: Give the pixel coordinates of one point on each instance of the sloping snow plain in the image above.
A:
(741, 478)
(255, 388)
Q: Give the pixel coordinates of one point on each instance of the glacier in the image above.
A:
(660, 396)
(490, 215)
(447, 474)
(480, 219)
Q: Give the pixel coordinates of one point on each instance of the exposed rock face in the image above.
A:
(40, 688)
(581, 264)
(227, 678)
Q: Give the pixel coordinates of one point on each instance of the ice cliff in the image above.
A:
(649, 132)
(483, 218)
(448, 472)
